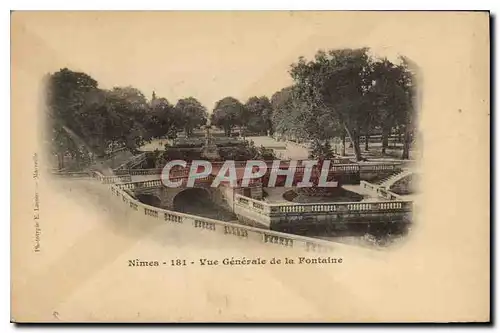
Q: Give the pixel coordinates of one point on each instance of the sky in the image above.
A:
(207, 55)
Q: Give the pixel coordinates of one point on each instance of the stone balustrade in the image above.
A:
(388, 194)
(252, 205)
(134, 205)
(396, 203)
(347, 207)
(226, 228)
(236, 230)
(345, 168)
(285, 164)
(381, 192)
(151, 212)
(316, 247)
(264, 208)
(141, 184)
(172, 218)
(337, 167)
(241, 231)
(204, 224)
(379, 167)
(275, 239)
(121, 172)
(116, 178)
(145, 172)
(368, 185)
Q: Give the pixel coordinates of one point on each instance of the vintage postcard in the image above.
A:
(287, 166)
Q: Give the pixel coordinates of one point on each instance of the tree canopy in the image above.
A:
(259, 111)
(346, 92)
(192, 114)
(86, 120)
(228, 113)
(341, 93)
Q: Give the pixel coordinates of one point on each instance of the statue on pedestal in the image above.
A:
(210, 148)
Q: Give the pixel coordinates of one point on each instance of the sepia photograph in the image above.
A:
(250, 166)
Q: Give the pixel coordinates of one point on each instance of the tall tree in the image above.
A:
(164, 119)
(336, 84)
(67, 93)
(192, 114)
(389, 97)
(407, 83)
(259, 114)
(228, 113)
(87, 119)
(127, 117)
(287, 116)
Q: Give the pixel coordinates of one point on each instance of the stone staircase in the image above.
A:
(387, 182)
(131, 162)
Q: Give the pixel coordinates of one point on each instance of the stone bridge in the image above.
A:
(145, 184)
(282, 216)
(161, 194)
(278, 217)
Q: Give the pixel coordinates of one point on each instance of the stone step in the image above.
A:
(386, 179)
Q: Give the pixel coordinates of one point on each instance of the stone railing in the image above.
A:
(367, 185)
(388, 194)
(347, 207)
(225, 228)
(382, 166)
(341, 161)
(145, 172)
(121, 191)
(381, 191)
(110, 179)
(121, 172)
(345, 168)
(114, 179)
(379, 167)
(158, 182)
(396, 203)
(337, 166)
(142, 184)
(252, 205)
(267, 210)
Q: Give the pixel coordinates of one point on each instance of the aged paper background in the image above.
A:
(440, 274)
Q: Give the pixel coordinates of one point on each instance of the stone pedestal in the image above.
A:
(209, 151)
